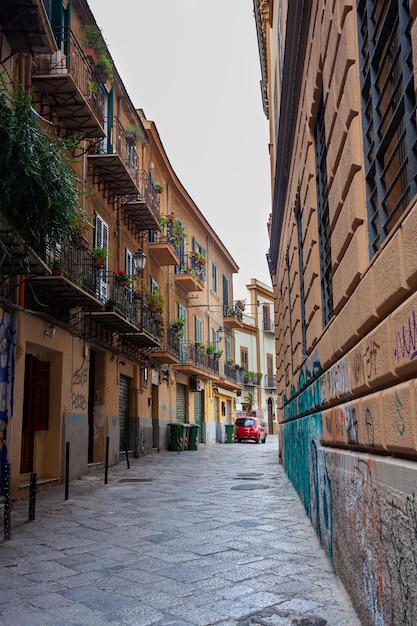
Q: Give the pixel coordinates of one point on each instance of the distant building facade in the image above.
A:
(339, 90)
(255, 355)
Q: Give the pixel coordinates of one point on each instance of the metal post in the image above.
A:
(106, 462)
(127, 454)
(67, 457)
(7, 501)
(32, 496)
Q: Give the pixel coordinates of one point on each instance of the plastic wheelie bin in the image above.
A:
(230, 433)
(193, 437)
(176, 436)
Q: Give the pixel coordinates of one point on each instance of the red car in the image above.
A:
(250, 428)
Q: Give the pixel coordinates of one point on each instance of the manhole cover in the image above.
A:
(250, 487)
(135, 480)
(252, 476)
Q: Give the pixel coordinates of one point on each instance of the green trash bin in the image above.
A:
(230, 433)
(193, 437)
(176, 436)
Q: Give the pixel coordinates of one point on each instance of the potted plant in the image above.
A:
(156, 301)
(210, 348)
(96, 52)
(110, 304)
(99, 255)
(218, 354)
(123, 280)
(55, 267)
(80, 224)
(178, 326)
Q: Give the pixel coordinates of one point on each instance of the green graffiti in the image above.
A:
(400, 420)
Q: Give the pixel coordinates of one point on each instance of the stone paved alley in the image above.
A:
(213, 536)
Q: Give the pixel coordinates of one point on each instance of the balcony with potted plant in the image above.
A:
(141, 206)
(65, 82)
(233, 315)
(130, 318)
(195, 360)
(165, 246)
(114, 161)
(191, 275)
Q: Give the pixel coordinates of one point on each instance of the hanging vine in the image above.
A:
(38, 188)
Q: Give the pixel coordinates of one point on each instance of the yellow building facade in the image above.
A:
(113, 284)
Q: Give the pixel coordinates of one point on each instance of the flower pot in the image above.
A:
(98, 262)
(56, 272)
(81, 242)
(91, 55)
(121, 283)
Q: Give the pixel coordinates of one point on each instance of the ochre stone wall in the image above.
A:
(348, 412)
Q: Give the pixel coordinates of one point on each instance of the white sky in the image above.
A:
(193, 67)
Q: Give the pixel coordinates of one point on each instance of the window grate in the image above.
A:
(326, 268)
(388, 113)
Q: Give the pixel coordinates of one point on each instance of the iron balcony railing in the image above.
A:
(70, 59)
(271, 382)
(147, 194)
(134, 309)
(116, 142)
(167, 235)
(232, 311)
(233, 374)
(71, 262)
(193, 354)
(194, 268)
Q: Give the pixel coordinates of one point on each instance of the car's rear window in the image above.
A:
(244, 421)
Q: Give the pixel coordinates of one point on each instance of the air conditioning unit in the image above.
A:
(196, 384)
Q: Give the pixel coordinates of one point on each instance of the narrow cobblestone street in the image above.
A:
(213, 536)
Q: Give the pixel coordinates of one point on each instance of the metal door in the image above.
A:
(181, 395)
(198, 413)
(124, 412)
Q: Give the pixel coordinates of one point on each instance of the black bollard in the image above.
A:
(106, 461)
(67, 456)
(127, 454)
(7, 501)
(32, 496)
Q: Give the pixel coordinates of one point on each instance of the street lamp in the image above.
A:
(139, 259)
(220, 333)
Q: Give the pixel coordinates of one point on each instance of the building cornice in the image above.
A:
(298, 18)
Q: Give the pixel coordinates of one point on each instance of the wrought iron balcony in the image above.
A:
(70, 281)
(141, 208)
(168, 352)
(233, 378)
(191, 276)
(268, 326)
(64, 81)
(195, 361)
(129, 317)
(233, 316)
(164, 247)
(26, 26)
(271, 382)
(114, 161)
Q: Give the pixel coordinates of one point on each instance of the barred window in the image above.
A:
(301, 275)
(388, 113)
(323, 216)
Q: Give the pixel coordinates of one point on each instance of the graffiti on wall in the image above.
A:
(79, 398)
(6, 384)
(405, 340)
(306, 468)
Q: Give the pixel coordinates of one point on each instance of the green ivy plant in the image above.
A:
(39, 195)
